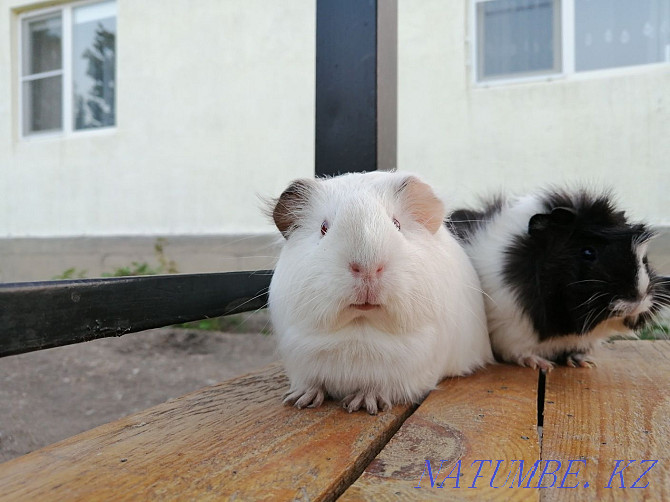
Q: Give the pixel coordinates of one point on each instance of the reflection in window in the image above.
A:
(93, 65)
(517, 37)
(613, 33)
(42, 74)
(68, 79)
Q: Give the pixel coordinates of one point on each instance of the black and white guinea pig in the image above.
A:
(372, 300)
(562, 269)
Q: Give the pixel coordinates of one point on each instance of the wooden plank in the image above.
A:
(491, 415)
(619, 411)
(233, 440)
(41, 315)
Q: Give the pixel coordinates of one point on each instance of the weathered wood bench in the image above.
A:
(604, 435)
(598, 433)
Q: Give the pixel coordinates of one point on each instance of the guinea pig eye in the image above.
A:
(589, 254)
(396, 223)
(324, 228)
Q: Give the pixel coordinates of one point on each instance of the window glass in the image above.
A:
(517, 37)
(93, 65)
(42, 74)
(42, 104)
(42, 45)
(612, 33)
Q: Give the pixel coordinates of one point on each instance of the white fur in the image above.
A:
(642, 274)
(432, 323)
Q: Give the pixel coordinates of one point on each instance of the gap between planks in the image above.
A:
(232, 440)
(590, 416)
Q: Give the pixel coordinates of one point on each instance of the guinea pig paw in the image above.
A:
(580, 360)
(536, 362)
(372, 402)
(312, 397)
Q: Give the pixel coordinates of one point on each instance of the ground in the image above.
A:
(53, 394)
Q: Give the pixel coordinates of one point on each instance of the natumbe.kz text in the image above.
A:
(541, 474)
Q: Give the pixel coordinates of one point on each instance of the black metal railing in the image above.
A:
(41, 315)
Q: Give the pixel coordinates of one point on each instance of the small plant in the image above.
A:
(230, 324)
(133, 270)
(657, 331)
(165, 266)
(70, 273)
(237, 323)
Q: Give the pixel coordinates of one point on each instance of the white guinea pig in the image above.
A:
(373, 301)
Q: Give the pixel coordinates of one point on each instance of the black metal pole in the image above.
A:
(356, 86)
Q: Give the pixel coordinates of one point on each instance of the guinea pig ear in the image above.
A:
(422, 203)
(563, 215)
(559, 217)
(290, 204)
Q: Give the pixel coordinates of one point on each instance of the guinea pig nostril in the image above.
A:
(366, 271)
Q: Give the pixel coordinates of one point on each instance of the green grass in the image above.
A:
(660, 331)
(134, 269)
(70, 273)
(163, 266)
(229, 324)
(236, 323)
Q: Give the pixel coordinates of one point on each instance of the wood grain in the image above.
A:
(491, 415)
(617, 411)
(236, 441)
(233, 440)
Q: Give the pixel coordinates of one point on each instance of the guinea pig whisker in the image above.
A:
(660, 297)
(483, 322)
(585, 280)
(414, 295)
(592, 319)
(655, 319)
(466, 220)
(587, 322)
(592, 298)
(264, 291)
(479, 290)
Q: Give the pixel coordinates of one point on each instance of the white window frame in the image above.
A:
(67, 115)
(567, 56)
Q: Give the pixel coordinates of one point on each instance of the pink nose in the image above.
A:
(359, 270)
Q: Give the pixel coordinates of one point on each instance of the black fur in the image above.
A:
(463, 223)
(563, 357)
(576, 260)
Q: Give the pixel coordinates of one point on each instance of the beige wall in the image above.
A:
(605, 128)
(215, 106)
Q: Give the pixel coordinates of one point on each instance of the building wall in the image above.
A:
(607, 128)
(215, 106)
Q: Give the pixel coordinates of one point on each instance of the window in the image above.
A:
(529, 38)
(613, 33)
(68, 68)
(517, 37)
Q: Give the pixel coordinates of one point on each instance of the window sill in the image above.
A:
(620, 71)
(61, 135)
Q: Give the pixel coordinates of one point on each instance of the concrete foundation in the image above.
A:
(39, 259)
(33, 259)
